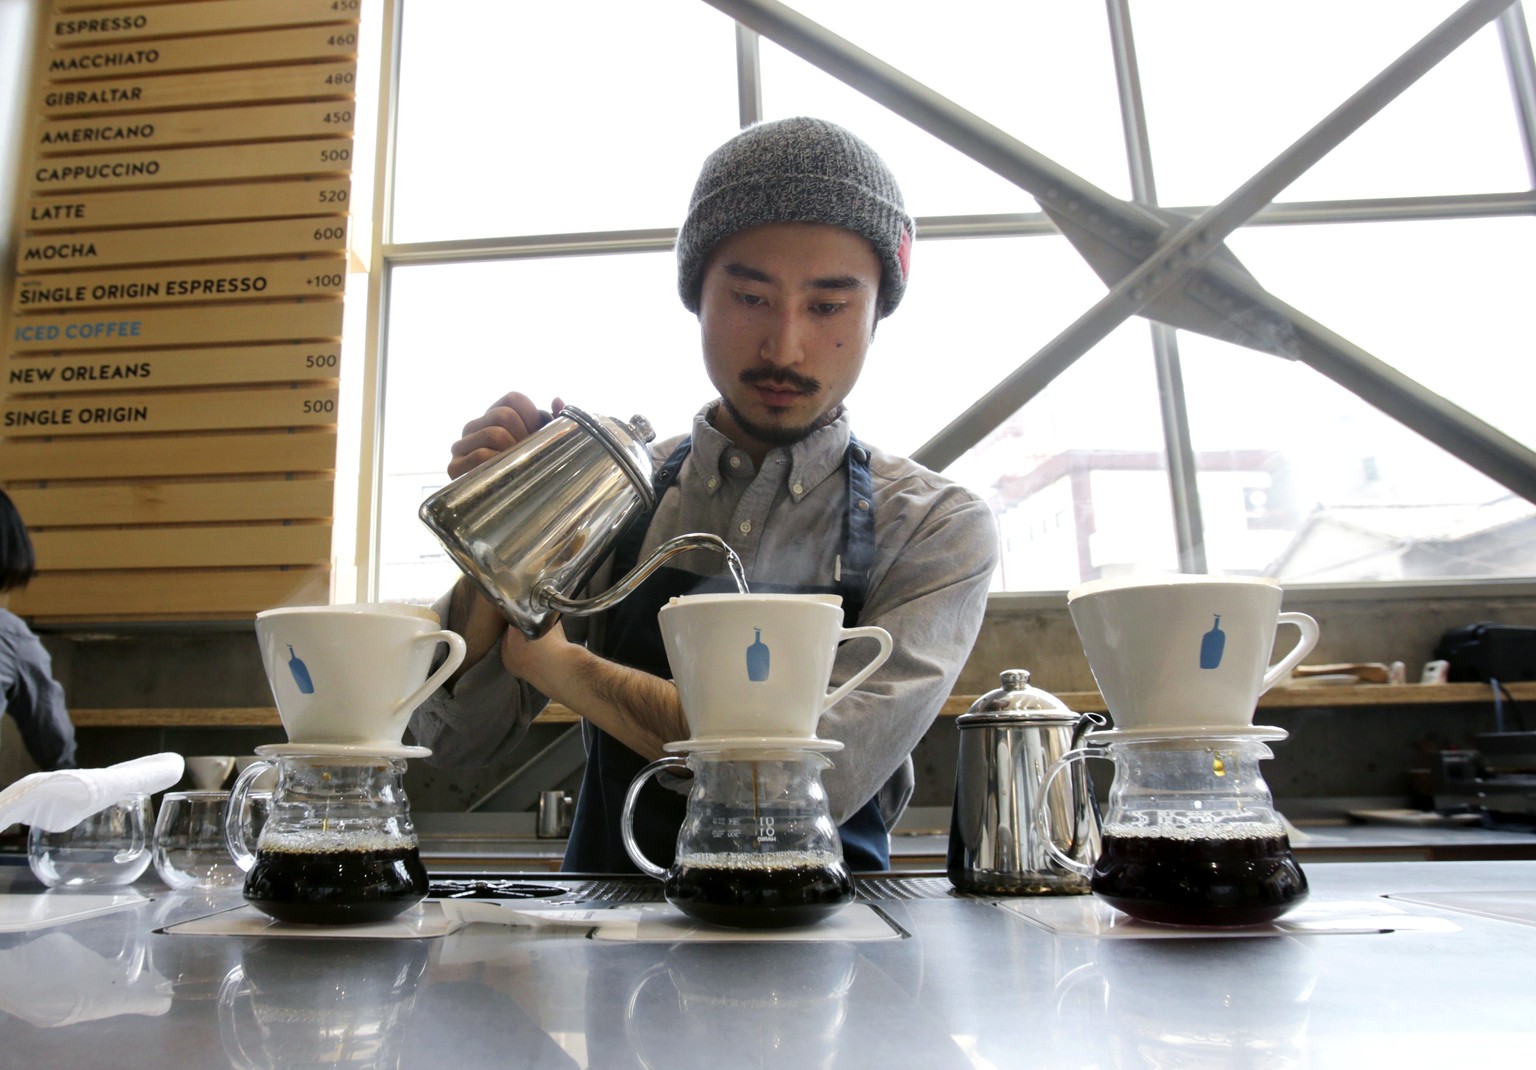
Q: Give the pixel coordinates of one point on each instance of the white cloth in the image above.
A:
(61, 800)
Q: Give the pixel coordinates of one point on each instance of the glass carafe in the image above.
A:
(338, 845)
(758, 848)
(1190, 836)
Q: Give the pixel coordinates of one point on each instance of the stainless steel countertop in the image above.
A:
(971, 985)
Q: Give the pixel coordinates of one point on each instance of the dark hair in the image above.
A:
(17, 561)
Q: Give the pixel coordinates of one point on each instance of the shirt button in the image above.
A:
(735, 462)
(798, 488)
(746, 527)
(863, 504)
(713, 482)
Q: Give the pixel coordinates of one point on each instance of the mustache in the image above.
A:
(782, 377)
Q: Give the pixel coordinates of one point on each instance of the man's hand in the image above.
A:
(507, 422)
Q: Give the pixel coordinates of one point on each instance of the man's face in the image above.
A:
(787, 312)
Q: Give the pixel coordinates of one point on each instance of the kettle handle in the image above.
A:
(1042, 821)
(627, 819)
(549, 595)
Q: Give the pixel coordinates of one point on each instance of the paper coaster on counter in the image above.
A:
(1516, 906)
(423, 921)
(664, 923)
(1087, 916)
(20, 913)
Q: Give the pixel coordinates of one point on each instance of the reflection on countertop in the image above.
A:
(494, 842)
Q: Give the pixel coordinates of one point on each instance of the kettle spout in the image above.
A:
(550, 596)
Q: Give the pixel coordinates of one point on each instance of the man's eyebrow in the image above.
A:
(742, 271)
(829, 282)
(837, 282)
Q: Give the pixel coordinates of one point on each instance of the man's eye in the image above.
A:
(750, 299)
(827, 308)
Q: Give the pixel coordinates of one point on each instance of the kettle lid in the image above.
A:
(625, 443)
(1016, 702)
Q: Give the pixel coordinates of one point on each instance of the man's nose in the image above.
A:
(784, 344)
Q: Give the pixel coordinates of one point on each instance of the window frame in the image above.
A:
(385, 255)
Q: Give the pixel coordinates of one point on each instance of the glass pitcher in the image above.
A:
(1191, 836)
(338, 846)
(758, 848)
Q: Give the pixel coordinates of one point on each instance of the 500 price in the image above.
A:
(325, 405)
(319, 360)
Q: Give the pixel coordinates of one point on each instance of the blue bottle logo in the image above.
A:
(757, 658)
(1212, 644)
(300, 673)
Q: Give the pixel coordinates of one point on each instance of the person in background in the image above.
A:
(33, 698)
(796, 245)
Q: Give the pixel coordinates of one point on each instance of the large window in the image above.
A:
(541, 161)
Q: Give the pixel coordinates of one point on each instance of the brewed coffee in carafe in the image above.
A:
(758, 848)
(1191, 836)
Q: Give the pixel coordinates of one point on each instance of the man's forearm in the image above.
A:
(641, 711)
(475, 619)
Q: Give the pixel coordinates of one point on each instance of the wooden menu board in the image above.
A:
(172, 330)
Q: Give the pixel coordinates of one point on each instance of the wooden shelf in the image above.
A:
(177, 717)
(1331, 695)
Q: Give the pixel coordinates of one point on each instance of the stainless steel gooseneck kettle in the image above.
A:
(532, 524)
(1008, 740)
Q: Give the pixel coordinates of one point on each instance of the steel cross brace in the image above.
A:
(1161, 265)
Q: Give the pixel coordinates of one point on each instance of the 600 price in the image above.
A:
(330, 233)
(323, 406)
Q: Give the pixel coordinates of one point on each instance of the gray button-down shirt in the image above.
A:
(935, 553)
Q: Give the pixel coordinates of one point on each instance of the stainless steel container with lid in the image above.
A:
(1008, 739)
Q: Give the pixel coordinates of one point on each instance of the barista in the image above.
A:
(795, 246)
(31, 696)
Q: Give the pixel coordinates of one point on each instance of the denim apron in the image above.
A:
(633, 638)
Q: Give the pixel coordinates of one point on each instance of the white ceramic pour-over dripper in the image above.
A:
(352, 674)
(759, 665)
(1185, 650)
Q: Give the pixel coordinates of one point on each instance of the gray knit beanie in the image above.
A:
(796, 171)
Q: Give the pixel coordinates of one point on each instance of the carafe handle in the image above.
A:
(1042, 813)
(235, 813)
(627, 819)
(1308, 627)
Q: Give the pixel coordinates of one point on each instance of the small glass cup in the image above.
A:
(111, 847)
(189, 839)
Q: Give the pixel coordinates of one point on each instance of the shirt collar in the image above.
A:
(811, 460)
